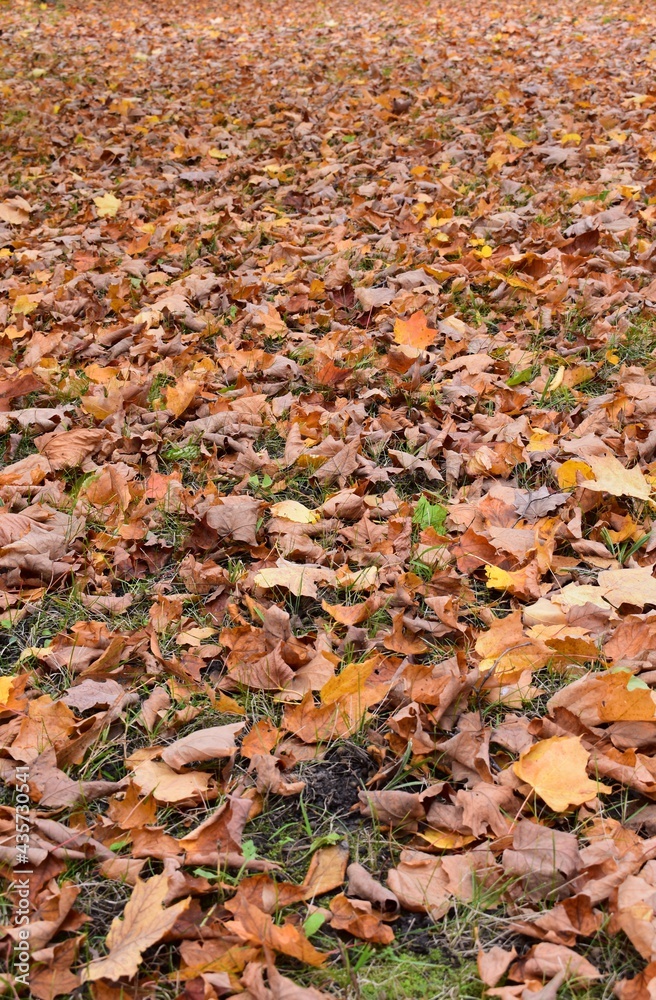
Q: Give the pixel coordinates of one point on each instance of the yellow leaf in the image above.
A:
(217, 154)
(145, 921)
(611, 357)
(570, 137)
(556, 770)
(414, 332)
(298, 578)
(292, 510)
(496, 160)
(556, 381)
(541, 440)
(350, 681)
(610, 476)
(486, 251)
(516, 282)
(567, 473)
(6, 687)
(497, 579)
(445, 840)
(107, 205)
(24, 305)
(507, 651)
(515, 141)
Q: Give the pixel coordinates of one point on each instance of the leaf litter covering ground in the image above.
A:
(329, 454)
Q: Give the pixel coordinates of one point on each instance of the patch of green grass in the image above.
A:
(561, 399)
(368, 973)
(637, 345)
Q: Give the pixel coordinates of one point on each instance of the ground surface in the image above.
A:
(328, 455)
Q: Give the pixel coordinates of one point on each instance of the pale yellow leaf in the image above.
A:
(107, 205)
(292, 510)
(556, 770)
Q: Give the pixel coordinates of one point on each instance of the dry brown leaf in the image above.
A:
(420, 884)
(357, 917)
(145, 921)
(166, 786)
(493, 964)
(363, 886)
(606, 697)
(203, 744)
(65, 451)
(327, 869)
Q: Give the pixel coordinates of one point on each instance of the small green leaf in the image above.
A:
(431, 515)
(118, 845)
(524, 376)
(313, 923)
(249, 850)
(635, 684)
(329, 840)
(205, 873)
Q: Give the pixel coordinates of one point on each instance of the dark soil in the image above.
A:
(335, 783)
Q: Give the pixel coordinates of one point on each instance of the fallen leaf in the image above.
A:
(356, 917)
(299, 579)
(556, 770)
(292, 510)
(204, 744)
(327, 869)
(610, 476)
(107, 205)
(145, 921)
(414, 332)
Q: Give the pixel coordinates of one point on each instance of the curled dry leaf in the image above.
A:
(204, 744)
(363, 886)
(357, 917)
